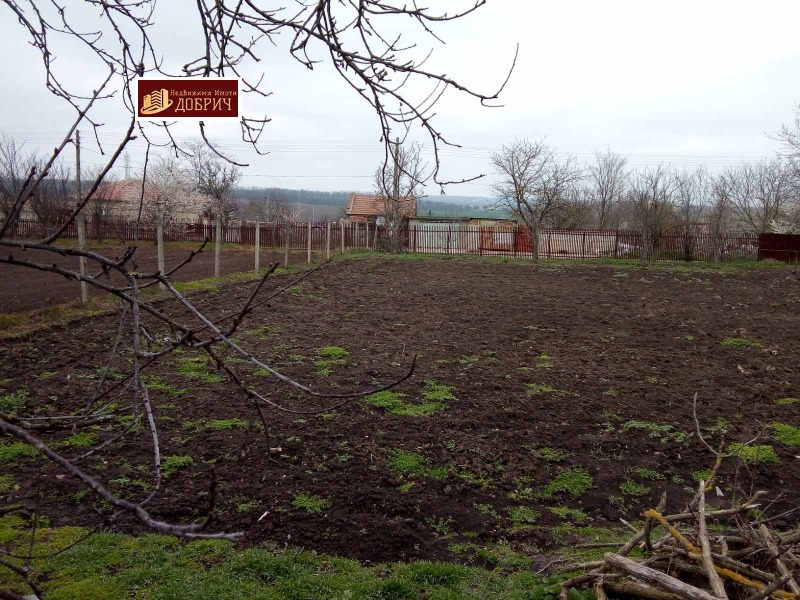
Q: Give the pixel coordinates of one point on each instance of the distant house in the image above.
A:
(369, 208)
(120, 200)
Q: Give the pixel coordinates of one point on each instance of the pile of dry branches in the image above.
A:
(689, 562)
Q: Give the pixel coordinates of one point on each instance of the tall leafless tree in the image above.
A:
(691, 199)
(215, 177)
(15, 165)
(576, 208)
(399, 185)
(719, 214)
(607, 184)
(56, 193)
(534, 184)
(760, 192)
(651, 195)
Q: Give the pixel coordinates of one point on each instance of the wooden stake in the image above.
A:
(341, 230)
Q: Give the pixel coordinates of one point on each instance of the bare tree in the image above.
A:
(719, 213)
(357, 39)
(607, 183)
(759, 192)
(51, 203)
(100, 208)
(576, 208)
(651, 195)
(534, 185)
(215, 177)
(399, 186)
(15, 166)
(277, 207)
(691, 198)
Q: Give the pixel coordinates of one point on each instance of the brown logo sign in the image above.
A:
(200, 98)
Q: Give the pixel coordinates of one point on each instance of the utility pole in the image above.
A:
(81, 223)
(396, 208)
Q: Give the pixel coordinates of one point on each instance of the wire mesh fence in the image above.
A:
(434, 238)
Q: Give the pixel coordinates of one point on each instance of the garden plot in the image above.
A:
(547, 402)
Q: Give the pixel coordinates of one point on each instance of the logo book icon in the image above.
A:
(155, 102)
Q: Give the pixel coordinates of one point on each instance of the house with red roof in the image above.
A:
(369, 208)
(121, 199)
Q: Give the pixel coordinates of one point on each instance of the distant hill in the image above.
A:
(293, 196)
(436, 208)
(330, 205)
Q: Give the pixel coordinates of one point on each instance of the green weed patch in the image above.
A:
(786, 435)
(310, 503)
(754, 455)
(572, 481)
(410, 464)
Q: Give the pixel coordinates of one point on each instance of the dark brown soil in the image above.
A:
(629, 349)
(23, 289)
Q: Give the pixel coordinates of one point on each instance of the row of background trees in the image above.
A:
(535, 184)
(194, 177)
(544, 189)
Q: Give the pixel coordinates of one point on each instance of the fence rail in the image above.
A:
(453, 238)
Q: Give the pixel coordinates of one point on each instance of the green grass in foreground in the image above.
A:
(110, 566)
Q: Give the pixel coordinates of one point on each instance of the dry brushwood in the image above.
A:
(746, 561)
(688, 554)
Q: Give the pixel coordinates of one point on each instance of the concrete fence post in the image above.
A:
(309, 243)
(287, 231)
(160, 249)
(258, 245)
(328, 242)
(217, 245)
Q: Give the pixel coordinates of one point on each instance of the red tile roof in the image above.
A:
(369, 205)
(121, 191)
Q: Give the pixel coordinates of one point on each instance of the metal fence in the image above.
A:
(579, 244)
(452, 238)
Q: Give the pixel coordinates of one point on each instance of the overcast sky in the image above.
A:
(683, 82)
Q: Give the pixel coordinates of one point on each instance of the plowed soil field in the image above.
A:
(546, 401)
